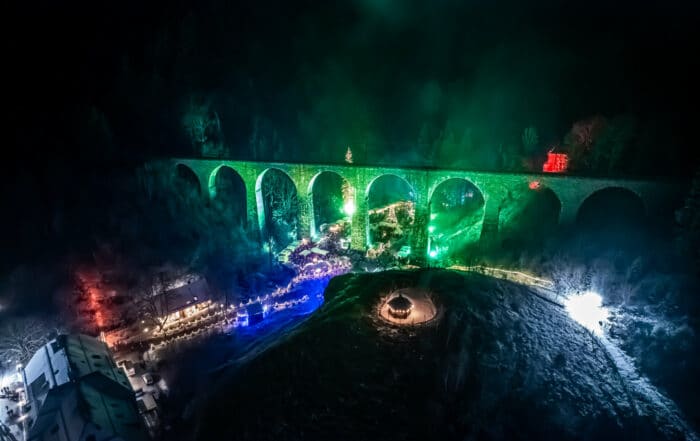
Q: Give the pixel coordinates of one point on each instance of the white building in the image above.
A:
(77, 393)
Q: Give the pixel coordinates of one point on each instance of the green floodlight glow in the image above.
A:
(433, 254)
(349, 208)
(431, 228)
(404, 252)
(433, 216)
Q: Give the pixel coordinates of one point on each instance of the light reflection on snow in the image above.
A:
(587, 309)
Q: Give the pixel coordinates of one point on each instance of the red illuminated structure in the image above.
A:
(556, 163)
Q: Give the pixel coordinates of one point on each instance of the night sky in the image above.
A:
(322, 73)
(98, 88)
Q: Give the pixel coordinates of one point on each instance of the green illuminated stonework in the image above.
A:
(495, 188)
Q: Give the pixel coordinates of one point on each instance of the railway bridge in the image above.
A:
(496, 189)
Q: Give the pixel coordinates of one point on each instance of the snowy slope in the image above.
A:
(499, 363)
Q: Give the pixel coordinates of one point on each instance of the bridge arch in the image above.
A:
(612, 206)
(529, 214)
(401, 186)
(186, 179)
(456, 208)
(438, 182)
(227, 192)
(570, 190)
(278, 195)
(322, 207)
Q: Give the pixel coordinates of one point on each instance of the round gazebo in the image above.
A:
(400, 307)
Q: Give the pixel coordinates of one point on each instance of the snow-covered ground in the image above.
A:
(648, 401)
(9, 379)
(500, 363)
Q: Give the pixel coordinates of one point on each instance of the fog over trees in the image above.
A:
(457, 84)
(456, 81)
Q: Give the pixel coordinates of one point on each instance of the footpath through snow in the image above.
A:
(647, 399)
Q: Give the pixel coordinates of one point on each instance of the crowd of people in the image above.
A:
(9, 394)
(226, 318)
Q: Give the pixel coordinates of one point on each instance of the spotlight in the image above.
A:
(587, 310)
(349, 208)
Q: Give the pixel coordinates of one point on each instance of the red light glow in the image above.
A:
(534, 185)
(556, 163)
(89, 281)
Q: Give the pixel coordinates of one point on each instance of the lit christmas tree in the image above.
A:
(348, 156)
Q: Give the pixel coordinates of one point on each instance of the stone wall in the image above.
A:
(495, 187)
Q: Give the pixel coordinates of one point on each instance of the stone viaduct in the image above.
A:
(495, 187)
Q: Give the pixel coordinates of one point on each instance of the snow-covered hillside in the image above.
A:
(498, 364)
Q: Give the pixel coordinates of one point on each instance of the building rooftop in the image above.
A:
(187, 295)
(69, 358)
(94, 404)
(76, 392)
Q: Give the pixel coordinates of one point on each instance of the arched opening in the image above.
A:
(456, 219)
(227, 193)
(528, 216)
(391, 204)
(186, 181)
(611, 209)
(278, 208)
(611, 225)
(332, 201)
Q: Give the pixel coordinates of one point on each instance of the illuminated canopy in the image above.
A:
(400, 307)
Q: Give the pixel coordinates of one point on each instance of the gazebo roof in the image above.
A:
(400, 303)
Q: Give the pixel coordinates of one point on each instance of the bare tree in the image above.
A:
(282, 203)
(283, 200)
(585, 132)
(203, 125)
(154, 306)
(580, 140)
(568, 276)
(21, 338)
